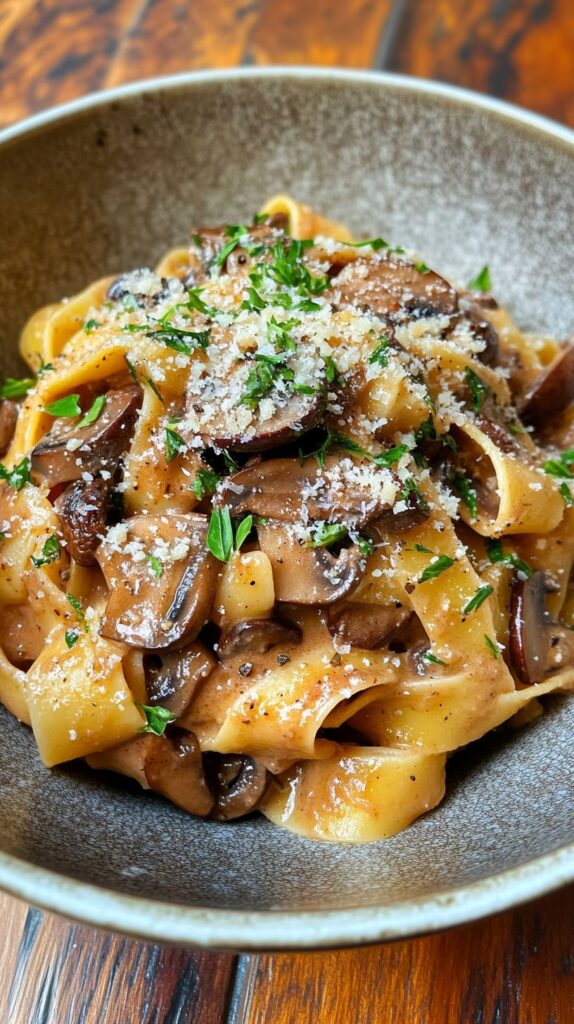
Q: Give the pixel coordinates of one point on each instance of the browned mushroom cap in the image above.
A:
(83, 511)
(143, 285)
(304, 575)
(279, 488)
(173, 677)
(536, 644)
(68, 451)
(482, 329)
(157, 602)
(257, 636)
(366, 625)
(8, 420)
(173, 767)
(386, 285)
(552, 391)
(237, 783)
(208, 243)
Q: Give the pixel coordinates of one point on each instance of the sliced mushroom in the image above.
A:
(483, 329)
(144, 285)
(83, 512)
(279, 488)
(304, 575)
(536, 644)
(257, 636)
(173, 767)
(208, 243)
(388, 285)
(237, 783)
(8, 421)
(552, 391)
(173, 677)
(367, 625)
(157, 603)
(68, 451)
(170, 765)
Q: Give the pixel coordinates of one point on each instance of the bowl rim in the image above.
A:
(223, 929)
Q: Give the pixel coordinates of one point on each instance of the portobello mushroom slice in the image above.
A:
(83, 513)
(237, 782)
(287, 490)
(161, 579)
(257, 636)
(171, 765)
(367, 625)
(537, 645)
(387, 286)
(208, 245)
(68, 450)
(144, 286)
(552, 391)
(172, 677)
(303, 575)
(8, 421)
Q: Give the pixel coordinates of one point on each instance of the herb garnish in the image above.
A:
(93, 412)
(220, 539)
(204, 483)
(80, 614)
(375, 243)
(91, 325)
(151, 384)
(561, 467)
(242, 532)
(68, 406)
(391, 456)
(156, 566)
(366, 546)
(16, 388)
(434, 569)
(428, 656)
(174, 442)
(566, 494)
(480, 596)
(17, 477)
(43, 367)
(326, 534)
(478, 389)
(72, 637)
(157, 719)
(380, 354)
(180, 340)
(493, 648)
(50, 552)
(482, 282)
(467, 492)
(497, 555)
(412, 491)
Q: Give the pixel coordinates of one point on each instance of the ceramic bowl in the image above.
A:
(108, 183)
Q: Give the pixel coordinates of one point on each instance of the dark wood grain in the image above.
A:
(517, 968)
(514, 969)
(56, 972)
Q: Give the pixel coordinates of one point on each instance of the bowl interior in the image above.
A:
(111, 187)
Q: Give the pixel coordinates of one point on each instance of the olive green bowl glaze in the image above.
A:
(108, 183)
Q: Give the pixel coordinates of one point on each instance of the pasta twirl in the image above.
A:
(283, 524)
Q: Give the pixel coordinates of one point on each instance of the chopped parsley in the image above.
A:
(17, 477)
(435, 568)
(265, 373)
(151, 384)
(205, 482)
(422, 267)
(156, 566)
(366, 546)
(493, 648)
(132, 370)
(50, 552)
(497, 555)
(480, 596)
(412, 492)
(91, 325)
(566, 494)
(467, 492)
(478, 389)
(157, 719)
(482, 282)
(428, 656)
(68, 406)
(234, 233)
(326, 534)
(561, 467)
(375, 243)
(72, 637)
(16, 387)
(80, 614)
(180, 340)
(421, 547)
(195, 301)
(174, 442)
(391, 456)
(278, 334)
(43, 367)
(254, 301)
(94, 412)
(380, 354)
(331, 371)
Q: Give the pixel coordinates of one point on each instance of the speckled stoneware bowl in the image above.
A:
(108, 183)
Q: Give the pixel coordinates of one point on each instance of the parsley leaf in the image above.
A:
(174, 442)
(194, 301)
(156, 566)
(157, 719)
(366, 546)
(180, 340)
(482, 282)
(421, 547)
(80, 614)
(50, 552)
(68, 406)
(278, 334)
(16, 388)
(566, 494)
(151, 384)
(562, 466)
(496, 554)
(91, 325)
(242, 532)
(480, 596)
(72, 637)
(411, 492)
(254, 301)
(220, 534)
(493, 648)
(205, 482)
(43, 367)
(428, 656)
(434, 569)
(331, 371)
(17, 477)
(467, 492)
(132, 369)
(391, 456)
(375, 243)
(93, 412)
(326, 534)
(478, 389)
(381, 353)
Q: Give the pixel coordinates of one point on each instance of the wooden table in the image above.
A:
(517, 968)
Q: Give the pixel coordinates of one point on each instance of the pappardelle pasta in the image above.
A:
(284, 523)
